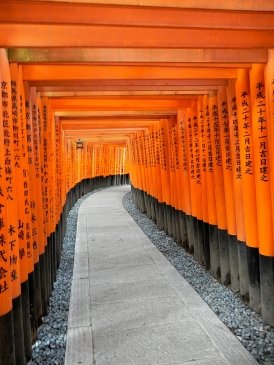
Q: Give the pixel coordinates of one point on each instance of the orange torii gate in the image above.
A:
(197, 127)
(180, 95)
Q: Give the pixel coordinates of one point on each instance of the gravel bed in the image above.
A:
(50, 346)
(248, 326)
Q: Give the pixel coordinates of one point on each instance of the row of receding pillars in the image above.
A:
(206, 177)
(38, 167)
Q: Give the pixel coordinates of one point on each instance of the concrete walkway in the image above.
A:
(130, 306)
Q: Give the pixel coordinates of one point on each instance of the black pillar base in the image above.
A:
(214, 252)
(196, 240)
(206, 246)
(26, 319)
(169, 219)
(33, 313)
(173, 224)
(243, 270)
(183, 229)
(38, 299)
(254, 278)
(147, 204)
(190, 233)
(18, 331)
(153, 208)
(165, 217)
(161, 216)
(267, 288)
(7, 353)
(178, 228)
(47, 271)
(224, 256)
(200, 232)
(43, 279)
(234, 263)
(53, 257)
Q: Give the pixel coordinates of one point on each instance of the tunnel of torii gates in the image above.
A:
(175, 97)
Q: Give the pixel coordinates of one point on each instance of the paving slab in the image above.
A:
(120, 257)
(137, 313)
(124, 274)
(129, 305)
(140, 289)
(103, 238)
(157, 344)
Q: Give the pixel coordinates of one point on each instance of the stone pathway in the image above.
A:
(129, 305)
